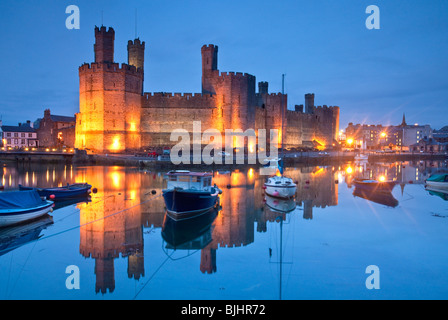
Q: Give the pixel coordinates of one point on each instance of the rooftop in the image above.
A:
(22, 128)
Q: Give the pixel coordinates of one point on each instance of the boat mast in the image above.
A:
(283, 133)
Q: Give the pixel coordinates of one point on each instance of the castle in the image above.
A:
(115, 115)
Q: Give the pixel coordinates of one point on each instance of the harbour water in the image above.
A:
(123, 246)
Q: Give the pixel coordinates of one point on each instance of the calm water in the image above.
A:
(125, 247)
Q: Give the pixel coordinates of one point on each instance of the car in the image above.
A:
(223, 153)
(324, 153)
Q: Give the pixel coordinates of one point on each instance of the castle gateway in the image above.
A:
(115, 115)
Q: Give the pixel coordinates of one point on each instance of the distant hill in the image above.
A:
(444, 129)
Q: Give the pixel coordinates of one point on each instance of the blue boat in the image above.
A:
(21, 206)
(189, 194)
(62, 193)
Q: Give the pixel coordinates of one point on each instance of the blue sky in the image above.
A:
(322, 46)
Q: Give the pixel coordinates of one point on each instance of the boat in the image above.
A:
(438, 181)
(21, 206)
(360, 157)
(189, 194)
(61, 193)
(372, 184)
(280, 186)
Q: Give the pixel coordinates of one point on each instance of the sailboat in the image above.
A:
(281, 186)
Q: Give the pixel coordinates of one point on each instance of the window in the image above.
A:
(8, 134)
(16, 134)
(22, 141)
(30, 135)
(22, 135)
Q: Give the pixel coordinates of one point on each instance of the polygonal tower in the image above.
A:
(109, 99)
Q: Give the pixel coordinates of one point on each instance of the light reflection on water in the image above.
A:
(126, 248)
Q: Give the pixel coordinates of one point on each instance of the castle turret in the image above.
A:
(309, 103)
(104, 45)
(136, 53)
(209, 64)
(263, 87)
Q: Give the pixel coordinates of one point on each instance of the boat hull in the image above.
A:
(11, 217)
(282, 192)
(61, 193)
(185, 204)
(437, 184)
(375, 186)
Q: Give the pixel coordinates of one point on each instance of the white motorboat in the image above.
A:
(280, 187)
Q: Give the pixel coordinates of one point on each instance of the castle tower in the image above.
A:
(209, 64)
(263, 87)
(309, 103)
(104, 45)
(110, 98)
(136, 53)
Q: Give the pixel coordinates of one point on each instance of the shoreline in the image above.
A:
(291, 160)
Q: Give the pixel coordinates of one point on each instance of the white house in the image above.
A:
(20, 136)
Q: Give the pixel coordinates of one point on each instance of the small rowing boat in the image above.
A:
(62, 193)
(22, 206)
(372, 184)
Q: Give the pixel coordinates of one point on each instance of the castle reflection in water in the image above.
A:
(128, 203)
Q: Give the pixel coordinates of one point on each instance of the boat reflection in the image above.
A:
(16, 236)
(379, 196)
(69, 202)
(281, 208)
(189, 234)
(280, 205)
(441, 193)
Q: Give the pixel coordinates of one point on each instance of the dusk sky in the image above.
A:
(323, 47)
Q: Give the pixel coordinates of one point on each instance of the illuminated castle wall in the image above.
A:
(115, 115)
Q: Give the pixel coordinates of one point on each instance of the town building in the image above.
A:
(54, 131)
(115, 115)
(402, 136)
(429, 145)
(441, 135)
(19, 137)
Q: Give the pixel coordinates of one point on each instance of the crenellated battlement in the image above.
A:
(187, 96)
(235, 75)
(325, 108)
(109, 67)
(178, 100)
(209, 47)
(103, 30)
